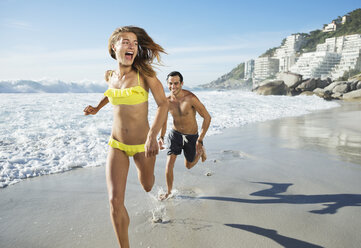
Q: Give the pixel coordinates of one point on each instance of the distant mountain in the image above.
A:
(29, 86)
(231, 80)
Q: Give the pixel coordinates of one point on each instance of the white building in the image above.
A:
(316, 64)
(287, 52)
(331, 59)
(249, 69)
(344, 19)
(350, 55)
(334, 44)
(265, 67)
(330, 27)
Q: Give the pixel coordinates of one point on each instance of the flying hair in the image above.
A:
(148, 50)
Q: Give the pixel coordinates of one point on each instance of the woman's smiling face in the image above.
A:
(126, 48)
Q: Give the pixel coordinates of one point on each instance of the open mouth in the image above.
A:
(129, 55)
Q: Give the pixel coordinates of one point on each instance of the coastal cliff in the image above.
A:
(232, 80)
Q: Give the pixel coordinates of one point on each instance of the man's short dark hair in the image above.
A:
(175, 73)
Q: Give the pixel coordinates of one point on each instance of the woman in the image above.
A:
(131, 135)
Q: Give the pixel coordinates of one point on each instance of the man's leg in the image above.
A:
(203, 155)
(169, 175)
(190, 152)
(190, 165)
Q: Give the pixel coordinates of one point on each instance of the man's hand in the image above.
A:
(199, 146)
(90, 110)
(161, 143)
(151, 147)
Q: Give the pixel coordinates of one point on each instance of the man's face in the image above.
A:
(126, 48)
(174, 85)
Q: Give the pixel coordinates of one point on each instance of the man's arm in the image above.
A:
(202, 111)
(151, 145)
(162, 134)
(90, 110)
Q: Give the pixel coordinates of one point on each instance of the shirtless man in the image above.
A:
(183, 106)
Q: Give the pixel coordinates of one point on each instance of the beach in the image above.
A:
(289, 182)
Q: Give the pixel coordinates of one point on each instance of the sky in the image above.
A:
(204, 39)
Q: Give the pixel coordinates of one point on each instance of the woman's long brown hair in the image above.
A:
(148, 50)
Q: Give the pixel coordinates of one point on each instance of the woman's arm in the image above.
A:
(90, 110)
(151, 145)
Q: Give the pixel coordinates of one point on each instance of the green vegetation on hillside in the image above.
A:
(312, 39)
(234, 78)
(352, 26)
(315, 37)
(238, 72)
(269, 52)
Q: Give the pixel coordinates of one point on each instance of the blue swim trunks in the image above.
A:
(178, 141)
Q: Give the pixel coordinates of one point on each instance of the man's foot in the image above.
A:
(203, 155)
(162, 197)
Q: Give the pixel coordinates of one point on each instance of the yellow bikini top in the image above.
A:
(128, 96)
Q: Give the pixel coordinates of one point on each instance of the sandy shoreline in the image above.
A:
(292, 182)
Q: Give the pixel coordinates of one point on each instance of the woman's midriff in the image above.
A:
(130, 124)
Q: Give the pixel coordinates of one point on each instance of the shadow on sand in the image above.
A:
(333, 202)
(272, 234)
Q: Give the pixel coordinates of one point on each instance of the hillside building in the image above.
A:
(330, 27)
(265, 67)
(345, 19)
(287, 52)
(331, 59)
(316, 64)
(248, 69)
(350, 55)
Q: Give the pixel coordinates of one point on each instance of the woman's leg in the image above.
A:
(145, 167)
(116, 175)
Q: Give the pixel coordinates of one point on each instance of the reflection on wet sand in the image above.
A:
(339, 135)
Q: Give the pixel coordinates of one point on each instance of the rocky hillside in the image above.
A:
(234, 79)
(315, 37)
(231, 80)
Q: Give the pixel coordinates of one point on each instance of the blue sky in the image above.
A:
(67, 40)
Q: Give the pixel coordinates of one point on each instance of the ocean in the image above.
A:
(46, 133)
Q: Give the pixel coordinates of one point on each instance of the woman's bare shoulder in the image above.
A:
(108, 75)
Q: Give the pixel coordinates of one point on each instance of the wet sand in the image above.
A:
(292, 182)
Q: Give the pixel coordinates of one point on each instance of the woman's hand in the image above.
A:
(90, 110)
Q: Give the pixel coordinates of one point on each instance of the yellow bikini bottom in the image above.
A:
(130, 150)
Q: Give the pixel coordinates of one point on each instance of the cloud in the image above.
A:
(191, 49)
(234, 42)
(75, 64)
(60, 55)
(16, 24)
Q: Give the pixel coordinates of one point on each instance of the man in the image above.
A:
(183, 106)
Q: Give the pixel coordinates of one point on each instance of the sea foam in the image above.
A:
(42, 134)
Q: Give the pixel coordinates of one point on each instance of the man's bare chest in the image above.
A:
(180, 109)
